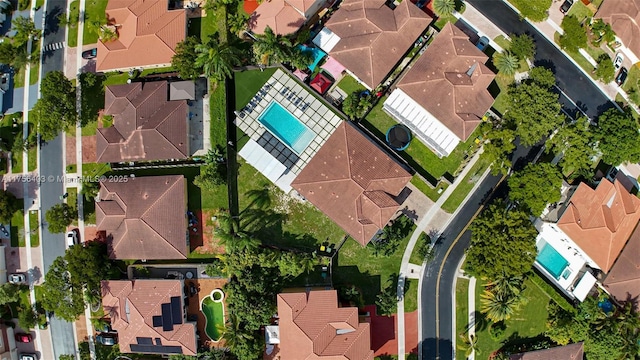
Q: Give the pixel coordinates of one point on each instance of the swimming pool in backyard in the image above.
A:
(553, 262)
(213, 309)
(283, 125)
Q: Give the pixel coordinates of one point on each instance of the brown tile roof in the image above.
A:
(353, 182)
(601, 221)
(567, 352)
(624, 18)
(440, 82)
(373, 38)
(148, 33)
(284, 17)
(144, 218)
(623, 280)
(312, 326)
(132, 305)
(146, 125)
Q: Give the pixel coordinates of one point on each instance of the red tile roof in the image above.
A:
(353, 182)
(624, 18)
(146, 125)
(284, 17)
(623, 280)
(312, 326)
(601, 221)
(373, 38)
(450, 81)
(148, 33)
(567, 352)
(132, 305)
(144, 218)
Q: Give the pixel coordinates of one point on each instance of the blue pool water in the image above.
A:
(552, 261)
(318, 55)
(286, 127)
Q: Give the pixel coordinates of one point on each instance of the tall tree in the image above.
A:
(605, 70)
(496, 235)
(500, 143)
(444, 7)
(601, 31)
(9, 204)
(535, 186)
(574, 37)
(60, 216)
(59, 293)
(25, 29)
(56, 108)
(217, 59)
(185, 58)
(506, 62)
(618, 137)
(575, 141)
(522, 46)
(9, 293)
(7, 53)
(271, 48)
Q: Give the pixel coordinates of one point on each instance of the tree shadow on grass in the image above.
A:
(368, 284)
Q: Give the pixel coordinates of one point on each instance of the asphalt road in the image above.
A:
(52, 169)
(570, 79)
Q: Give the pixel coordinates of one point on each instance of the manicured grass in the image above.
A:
(72, 28)
(534, 9)
(410, 295)
(433, 194)
(95, 169)
(462, 313)
(584, 63)
(32, 163)
(458, 195)
(8, 133)
(580, 11)
(33, 227)
(114, 78)
(295, 224)
(528, 323)
(94, 9)
(349, 85)
(499, 90)
(506, 44)
(17, 229)
(217, 108)
(39, 3)
(358, 266)
(416, 258)
(19, 78)
(248, 83)
(632, 79)
(92, 101)
(214, 22)
(34, 68)
(72, 200)
(154, 71)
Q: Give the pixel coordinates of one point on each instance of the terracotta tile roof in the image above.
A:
(373, 38)
(567, 352)
(146, 125)
(353, 182)
(312, 326)
(601, 221)
(284, 17)
(148, 33)
(624, 18)
(145, 217)
(623, 280)
(132, 306)
(450, 81)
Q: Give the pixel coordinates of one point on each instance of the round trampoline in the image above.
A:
(398, 137)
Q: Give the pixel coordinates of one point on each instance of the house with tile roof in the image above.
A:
(624, 18)
(369, 38)
(147, 35)
(567, 352)
(147, 126)
(149, 316)
(284, 17)
(354, 182)
(312, 326)
(623, 280)
(144, 218)
(444, 96)
(584, 234)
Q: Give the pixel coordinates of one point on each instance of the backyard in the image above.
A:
(248, 83)
(94, 11)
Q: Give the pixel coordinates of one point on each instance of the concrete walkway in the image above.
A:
(472, 312)
(429, 221)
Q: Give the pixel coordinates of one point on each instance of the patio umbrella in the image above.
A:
(321, 83)
(398, 137)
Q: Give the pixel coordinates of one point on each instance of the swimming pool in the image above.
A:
(318, 55)
(552, 261)
(282, 124)
(213, 310)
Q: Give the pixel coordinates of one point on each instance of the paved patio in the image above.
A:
(204, 286)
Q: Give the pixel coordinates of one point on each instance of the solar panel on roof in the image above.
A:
(154, 349)
(158, 341)
(176, 310)
(167, 324)
(144, 340)
(157, 321)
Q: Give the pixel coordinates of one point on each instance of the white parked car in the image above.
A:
(72, 238)
(17, 278)
(617, 62)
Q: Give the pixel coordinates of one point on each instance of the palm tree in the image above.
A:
(234, 334)
(499, 307)
(469, 344)
(271, 48)
(506, 63)
(217, 59)
(444, 7)
(232, 236)
(506, 285)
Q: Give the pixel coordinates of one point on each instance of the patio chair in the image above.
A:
(296, 102)
(284, 90)
(290, 96)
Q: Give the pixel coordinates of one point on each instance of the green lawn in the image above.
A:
(114, 78)
(410, 295)
(506, 44)
(72, 200)
(358, 266)
(632, 79)
(526, 324)
(95, 169)
(32, 155)
(580, 11)
(433, 194)
(92, 101)
(217, 108)
(248, 83)
(462, 313)
(72, 28)
(214, 22)
(458, 195)
(498, 89)
(581, 60)
(94, 10)
(17, 229)
(8, 132)
(34, 69)
(349, 85)
(535, 9)
(34, 221)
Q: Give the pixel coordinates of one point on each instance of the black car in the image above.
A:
(622, 76)
(90, 54)
(566, 5)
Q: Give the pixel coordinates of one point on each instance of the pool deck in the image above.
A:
(205, 286)
(304, 106)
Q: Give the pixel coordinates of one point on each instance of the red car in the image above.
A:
(23, 338)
